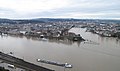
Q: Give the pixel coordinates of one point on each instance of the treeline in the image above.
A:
(3, 69)
(44, 20)
(20, 21)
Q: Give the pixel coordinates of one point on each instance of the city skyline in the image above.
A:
(81, 9)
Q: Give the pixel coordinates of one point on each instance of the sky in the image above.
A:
(80, 9)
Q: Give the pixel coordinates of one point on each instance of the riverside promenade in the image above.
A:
(17, 62)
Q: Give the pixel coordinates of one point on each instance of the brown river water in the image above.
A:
(96, 54)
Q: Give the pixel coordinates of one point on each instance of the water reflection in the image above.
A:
(63, 41)
(84, 56)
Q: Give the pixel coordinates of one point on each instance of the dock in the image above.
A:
(21, 63)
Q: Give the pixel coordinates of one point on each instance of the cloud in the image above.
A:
(32, 5)
(5, 12)
(60, 8)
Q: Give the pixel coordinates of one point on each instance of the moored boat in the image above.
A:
(66, 65)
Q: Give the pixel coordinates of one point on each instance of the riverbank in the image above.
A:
(21, 63)
(83, 57)
(63, 36)
(3, 69)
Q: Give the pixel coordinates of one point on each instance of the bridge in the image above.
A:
(21, 63)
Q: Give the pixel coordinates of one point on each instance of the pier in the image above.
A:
(21, 63)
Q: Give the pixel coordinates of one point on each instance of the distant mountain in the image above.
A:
(10, 21)
(29, 21)
(44, 20)
(56, 19)
(38, 20)
(7, 21)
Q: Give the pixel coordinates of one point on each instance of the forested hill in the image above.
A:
(45, 20)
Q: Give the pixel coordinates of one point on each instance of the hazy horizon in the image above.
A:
(78, 9)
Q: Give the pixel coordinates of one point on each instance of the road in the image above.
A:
(21, 63)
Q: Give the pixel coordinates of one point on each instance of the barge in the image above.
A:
(66, 65)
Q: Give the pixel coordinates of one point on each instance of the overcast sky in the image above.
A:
(85, 9)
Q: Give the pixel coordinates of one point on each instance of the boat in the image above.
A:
(44, 39)
(66, 65)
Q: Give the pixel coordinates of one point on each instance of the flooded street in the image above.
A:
(97, 54)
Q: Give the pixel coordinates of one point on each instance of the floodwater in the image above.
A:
(96, 54)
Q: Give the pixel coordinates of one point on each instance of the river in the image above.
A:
(96, 54)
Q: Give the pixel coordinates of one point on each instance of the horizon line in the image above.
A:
(60, 18)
